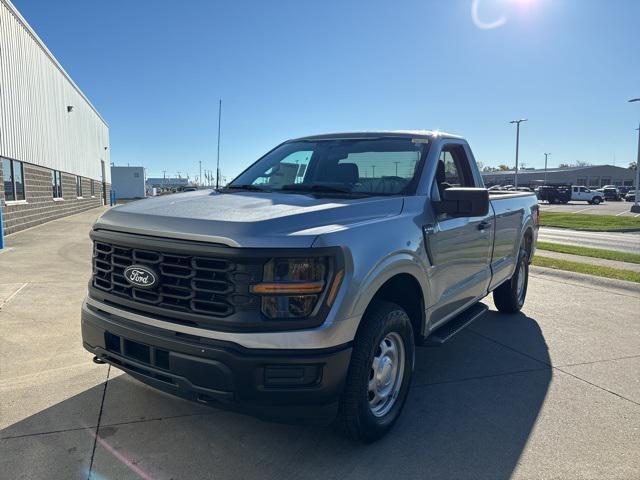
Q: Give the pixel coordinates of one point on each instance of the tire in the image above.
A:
(510, 296)
(596, 200)
(360, 416)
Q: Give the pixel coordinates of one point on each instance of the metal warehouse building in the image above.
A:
(590, 176)
(53, 143)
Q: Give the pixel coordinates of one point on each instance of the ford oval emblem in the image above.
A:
(140, 276)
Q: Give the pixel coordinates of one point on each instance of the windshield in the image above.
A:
(382, 166)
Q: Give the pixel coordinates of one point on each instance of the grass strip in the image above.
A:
(587, 268)
(590, 252)
(576, 221)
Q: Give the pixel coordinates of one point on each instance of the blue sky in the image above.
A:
(155, 69)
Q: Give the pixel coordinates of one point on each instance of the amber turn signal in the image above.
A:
(287, 288)
(334, 288)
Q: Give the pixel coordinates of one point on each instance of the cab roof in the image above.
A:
(427, 134)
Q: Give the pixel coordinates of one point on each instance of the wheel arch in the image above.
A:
(402, 287)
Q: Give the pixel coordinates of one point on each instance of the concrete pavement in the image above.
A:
(552, 392)
(622, 209)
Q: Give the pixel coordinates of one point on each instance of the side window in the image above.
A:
(452, 174)
(453, 169)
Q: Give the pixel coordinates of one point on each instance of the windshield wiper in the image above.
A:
(301, 187)
(250, 188)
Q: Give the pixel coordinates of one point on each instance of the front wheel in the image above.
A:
(596, 201)
(509, 297)
(379, 373)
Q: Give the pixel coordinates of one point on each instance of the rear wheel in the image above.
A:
(509, 297)
(596, 200)
(379, 373)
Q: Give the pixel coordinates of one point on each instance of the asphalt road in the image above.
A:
(552, 392)
(583, 208)
(624, 242)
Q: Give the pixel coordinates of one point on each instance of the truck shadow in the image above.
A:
(472, 407)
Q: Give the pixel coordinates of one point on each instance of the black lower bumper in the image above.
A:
(280, 385)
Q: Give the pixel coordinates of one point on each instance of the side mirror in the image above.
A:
(464, 202)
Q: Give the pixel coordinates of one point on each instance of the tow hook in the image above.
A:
(98, 360)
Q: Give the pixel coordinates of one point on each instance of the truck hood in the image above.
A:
(246, 219)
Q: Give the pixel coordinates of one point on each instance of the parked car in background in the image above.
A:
(611, 193)
(630, 196)
(554, 193)
(299, 291)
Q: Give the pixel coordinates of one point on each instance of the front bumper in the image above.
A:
(280, 385)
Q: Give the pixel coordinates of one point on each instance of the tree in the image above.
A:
(503, 167)
(633, 165)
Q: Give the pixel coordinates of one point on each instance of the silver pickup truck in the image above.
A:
(299, 291)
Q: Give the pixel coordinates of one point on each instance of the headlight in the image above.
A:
(291, 287)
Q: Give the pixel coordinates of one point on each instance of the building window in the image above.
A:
(78, 186)
(93, 188)
(56, 184)
(581, 181)
(605, 181)
(594, 181)
(13, 173)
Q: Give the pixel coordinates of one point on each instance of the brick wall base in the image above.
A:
(40, 207)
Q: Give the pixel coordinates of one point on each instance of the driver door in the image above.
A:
(460, 247)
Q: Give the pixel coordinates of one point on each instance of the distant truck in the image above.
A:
(299, 291)
(583, 194)
(566, 193)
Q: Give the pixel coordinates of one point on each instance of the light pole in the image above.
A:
(218, 159)
(546, 157)
(517, 122)
(635, 208)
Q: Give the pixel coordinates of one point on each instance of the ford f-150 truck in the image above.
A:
(299, 291)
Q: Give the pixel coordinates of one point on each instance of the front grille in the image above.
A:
(201, 285)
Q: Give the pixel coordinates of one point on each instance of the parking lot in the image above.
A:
(552, 392)
(605, 208)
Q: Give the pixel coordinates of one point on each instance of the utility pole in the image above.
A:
(635, 208)
(373, 171)
(200, 176)
(517, 122)
(396, 167)
(546, 157)
(218, 160)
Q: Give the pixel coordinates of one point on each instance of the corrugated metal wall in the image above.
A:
(35, 91)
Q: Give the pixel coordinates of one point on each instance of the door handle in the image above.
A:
(484, 224)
